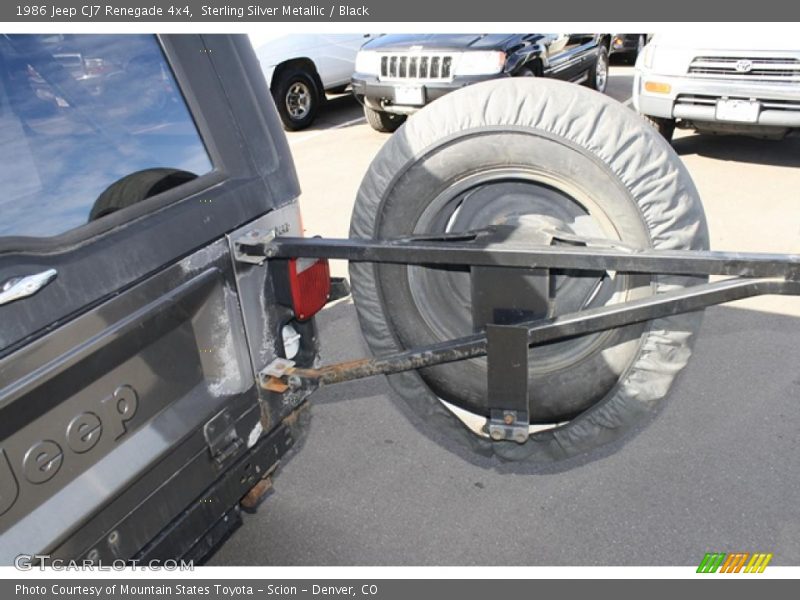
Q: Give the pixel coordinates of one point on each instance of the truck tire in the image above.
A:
(383, 121)
(297, 97)
(666, 127)
(506, 148)
(598, 75)
(631, 57)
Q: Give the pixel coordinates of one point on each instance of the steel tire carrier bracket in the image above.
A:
(506, 323)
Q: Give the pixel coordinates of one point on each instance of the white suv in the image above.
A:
(723, 83)
(300, 68)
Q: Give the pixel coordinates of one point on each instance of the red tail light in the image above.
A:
(310, 285)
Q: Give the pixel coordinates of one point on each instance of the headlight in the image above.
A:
(368, 62)
(480, 63)
(647, 55)
(665, 60)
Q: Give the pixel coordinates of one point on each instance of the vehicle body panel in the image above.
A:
(114, 376)
(176, 339)
(333, 54)
(442, 41)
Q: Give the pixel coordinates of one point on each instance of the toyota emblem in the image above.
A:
(744, 66)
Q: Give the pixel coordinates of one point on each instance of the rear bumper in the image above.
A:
(199, 499)
(694, 100)
(380, 95)
(205, 524)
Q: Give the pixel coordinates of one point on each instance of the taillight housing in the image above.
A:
(309, 285)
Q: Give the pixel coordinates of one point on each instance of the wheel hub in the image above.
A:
(298, 100)
(533, 204)
(530, 205)
(601, 74)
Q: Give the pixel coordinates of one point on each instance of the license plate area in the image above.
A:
(409, 95)
(739, 111)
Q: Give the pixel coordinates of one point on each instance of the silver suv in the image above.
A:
(722, 83)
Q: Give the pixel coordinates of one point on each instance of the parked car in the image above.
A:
(396, 75)
(720, 84)
(628, 45)
(301, 68)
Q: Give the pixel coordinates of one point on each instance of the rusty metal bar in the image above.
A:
(543, 331)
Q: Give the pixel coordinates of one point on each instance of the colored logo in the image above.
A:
(737, 562)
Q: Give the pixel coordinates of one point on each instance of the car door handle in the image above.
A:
(27, 285)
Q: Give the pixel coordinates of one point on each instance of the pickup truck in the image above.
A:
(720, 84)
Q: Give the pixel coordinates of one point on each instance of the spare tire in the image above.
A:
(491, 153)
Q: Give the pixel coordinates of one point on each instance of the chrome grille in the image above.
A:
(746, 69)
(430, 67)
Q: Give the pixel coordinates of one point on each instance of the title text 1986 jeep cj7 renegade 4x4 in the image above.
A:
(527, 256)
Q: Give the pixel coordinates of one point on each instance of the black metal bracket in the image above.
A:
(503, 297)
(489, 248)
(221, 436)
(508, 394)
(512, 314)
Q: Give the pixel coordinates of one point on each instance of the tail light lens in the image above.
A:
(309, 285)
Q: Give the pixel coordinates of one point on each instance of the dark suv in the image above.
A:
(131, 337)
(397, 75)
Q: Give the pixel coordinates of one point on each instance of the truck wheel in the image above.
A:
(634, 54)
(598, 75)
(528, 146)
(666, 127)
(297, 98)
(383, 121)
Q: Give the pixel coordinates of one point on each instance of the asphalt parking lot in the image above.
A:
(717, 470)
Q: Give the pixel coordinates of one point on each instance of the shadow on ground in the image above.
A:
(778, 153)
(336, 111)
(620, 86)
